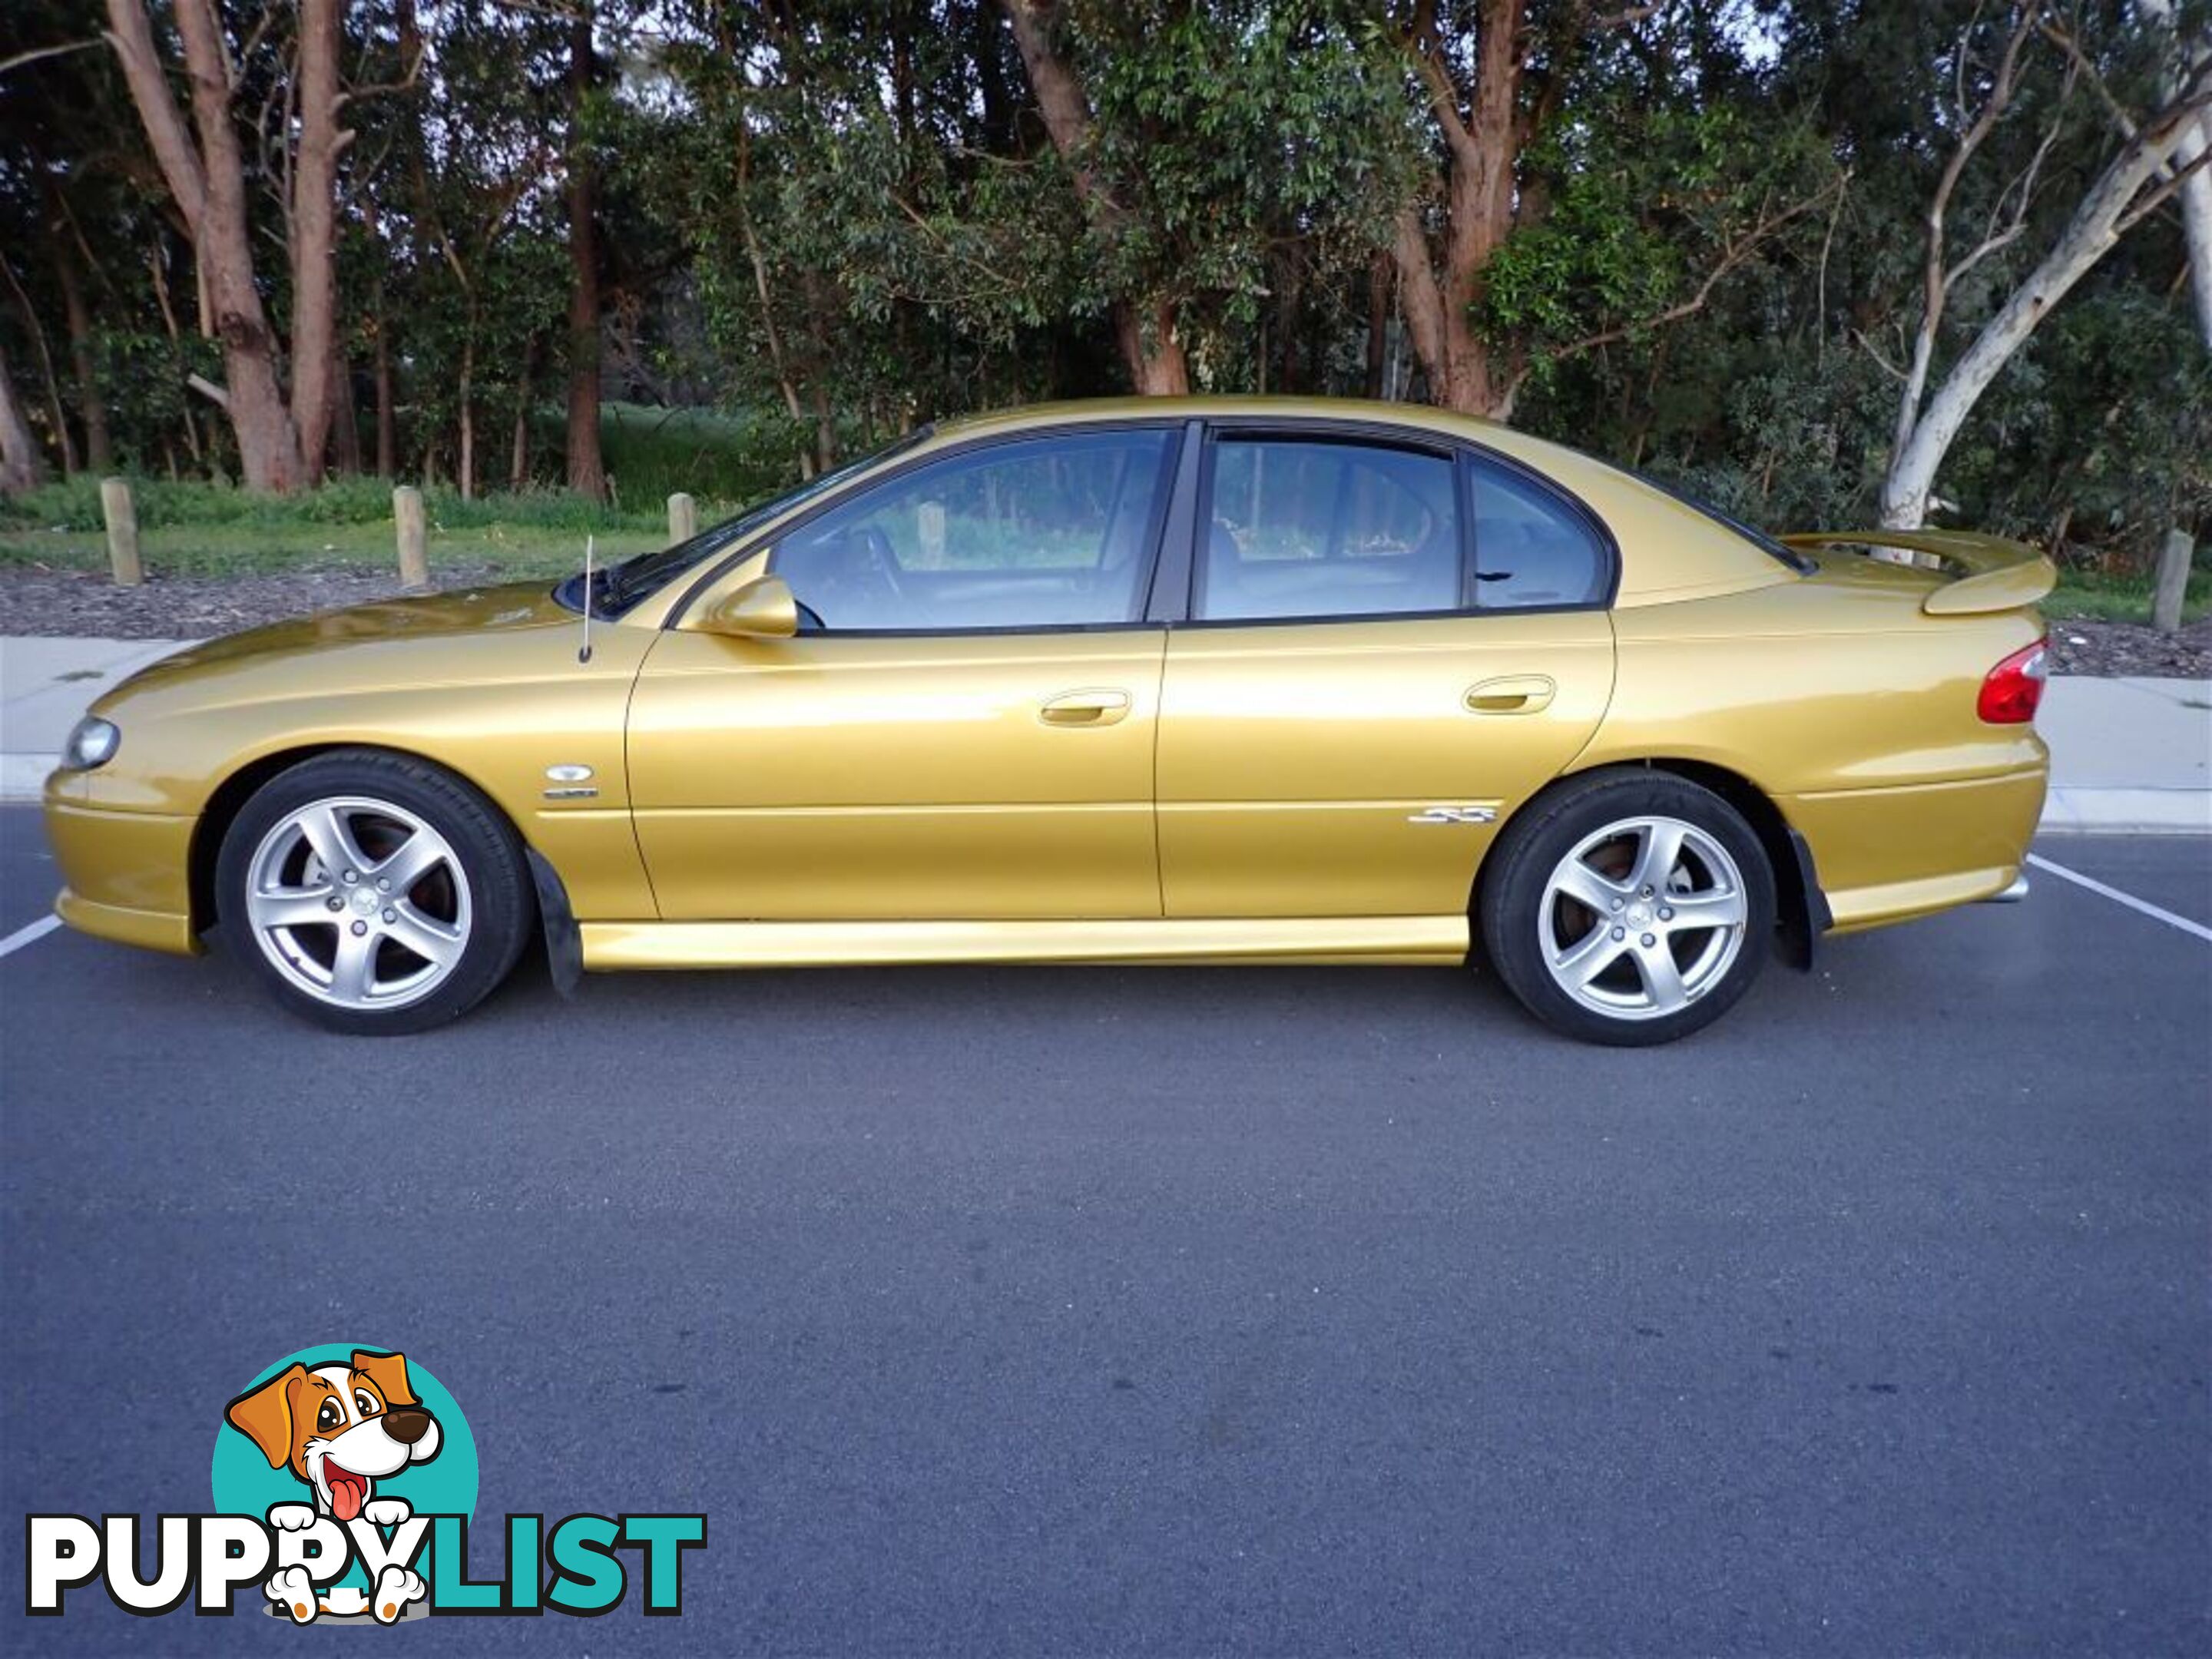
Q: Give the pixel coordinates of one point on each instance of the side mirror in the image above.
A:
(761, 610)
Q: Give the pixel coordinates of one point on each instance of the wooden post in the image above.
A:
(122, 517)
(2173, 580)
(682, 518)
(414, 537)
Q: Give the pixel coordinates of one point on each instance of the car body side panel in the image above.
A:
(832, 777)
(1315, 768)
(1855, 714)
(486, 685)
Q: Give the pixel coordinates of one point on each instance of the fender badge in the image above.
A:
(569, 774)
(1455, 815)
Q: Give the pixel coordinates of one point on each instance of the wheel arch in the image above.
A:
(1800, 906)
(240, 786)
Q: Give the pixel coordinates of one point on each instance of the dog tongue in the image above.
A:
(347, 1492)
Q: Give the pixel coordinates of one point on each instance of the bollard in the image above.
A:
(115, 505)
(414, 538)
(682, 518)
(2173, 580)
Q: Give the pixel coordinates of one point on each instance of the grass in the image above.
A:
(201, 529)
(2087, 595)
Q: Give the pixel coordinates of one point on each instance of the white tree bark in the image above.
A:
(2197, 187)
(2196, 221)
(22, 466)
(2112, 206)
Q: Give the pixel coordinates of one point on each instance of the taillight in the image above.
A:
(2014, 687)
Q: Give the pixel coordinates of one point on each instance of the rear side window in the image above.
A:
(1532, 550)
(1300, 528)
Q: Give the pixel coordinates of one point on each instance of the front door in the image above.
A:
(964, 727)
(1390, 647)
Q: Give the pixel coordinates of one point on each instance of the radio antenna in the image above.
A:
(585, 654)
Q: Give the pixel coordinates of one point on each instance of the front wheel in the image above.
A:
(1629, 909)
(373, 893)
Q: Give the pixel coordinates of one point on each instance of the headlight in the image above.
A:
(92, 743)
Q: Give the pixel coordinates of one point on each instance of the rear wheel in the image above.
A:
(1630, 908)
(373, 893)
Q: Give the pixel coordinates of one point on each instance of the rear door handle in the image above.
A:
(1093, 707)
(1513, 694)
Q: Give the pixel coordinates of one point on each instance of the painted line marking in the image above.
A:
(2118, 898)
(30, 935)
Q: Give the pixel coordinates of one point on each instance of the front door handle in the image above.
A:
(1093, 707)
(1514, 694)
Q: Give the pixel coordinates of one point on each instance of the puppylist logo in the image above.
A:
(344, 1481)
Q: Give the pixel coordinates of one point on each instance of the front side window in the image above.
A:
(1053, 532)
(1299, 528)
(1532, 551)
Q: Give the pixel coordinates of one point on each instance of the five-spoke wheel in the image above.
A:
(373, 892)
(1643, 918)
(1628, 907)
(359, 900)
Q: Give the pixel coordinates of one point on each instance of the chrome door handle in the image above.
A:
(1512, 694)
(1095, 707)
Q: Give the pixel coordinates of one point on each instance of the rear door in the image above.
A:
(1390, 645)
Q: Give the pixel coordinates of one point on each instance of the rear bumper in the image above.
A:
(128, 874)
(1888, 855)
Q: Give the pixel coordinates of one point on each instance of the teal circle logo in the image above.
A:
(339, 1426)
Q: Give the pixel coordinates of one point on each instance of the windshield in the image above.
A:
(619, 586)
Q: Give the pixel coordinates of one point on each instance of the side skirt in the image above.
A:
(1375, 940)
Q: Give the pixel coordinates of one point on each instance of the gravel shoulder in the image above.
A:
(85, 603)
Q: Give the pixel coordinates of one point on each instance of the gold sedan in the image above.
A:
(1153, 681)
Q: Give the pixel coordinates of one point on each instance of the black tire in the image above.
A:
(1522, 917)
(495, 909)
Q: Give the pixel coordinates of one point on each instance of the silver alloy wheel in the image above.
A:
(358, 903)
(1643, 918)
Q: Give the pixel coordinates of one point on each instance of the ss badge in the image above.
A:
(1455, 815)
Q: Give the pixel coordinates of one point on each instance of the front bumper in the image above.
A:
(128, 873)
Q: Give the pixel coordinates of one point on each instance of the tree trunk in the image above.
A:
(22, 466)
(464, 466)
(314, 232)
(1438, 289)
(2196, 221)
(2196, 188)
(2109, 209)
(208, 184)
(587, 472)
(345, 427)
(387, 425)
(518, 466)
(91, 407)
(1157, 367)
(1145, 329)
(1378, 321)
(57, 411)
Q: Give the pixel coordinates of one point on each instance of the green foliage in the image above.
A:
(823, 223)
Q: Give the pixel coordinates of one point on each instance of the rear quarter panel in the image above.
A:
(1852, 711)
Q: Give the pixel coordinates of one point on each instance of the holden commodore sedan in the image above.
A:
(1155, 681)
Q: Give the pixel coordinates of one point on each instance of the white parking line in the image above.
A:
(2118, 898)
(30, 935)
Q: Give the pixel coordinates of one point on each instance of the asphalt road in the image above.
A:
(1184, 1311)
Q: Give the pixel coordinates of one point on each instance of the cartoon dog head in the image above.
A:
(339, 1428)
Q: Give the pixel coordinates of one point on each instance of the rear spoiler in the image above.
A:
(1993, 573)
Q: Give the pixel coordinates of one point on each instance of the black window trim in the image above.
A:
(1460, 453)
(1175, 461)
(1170, 587)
